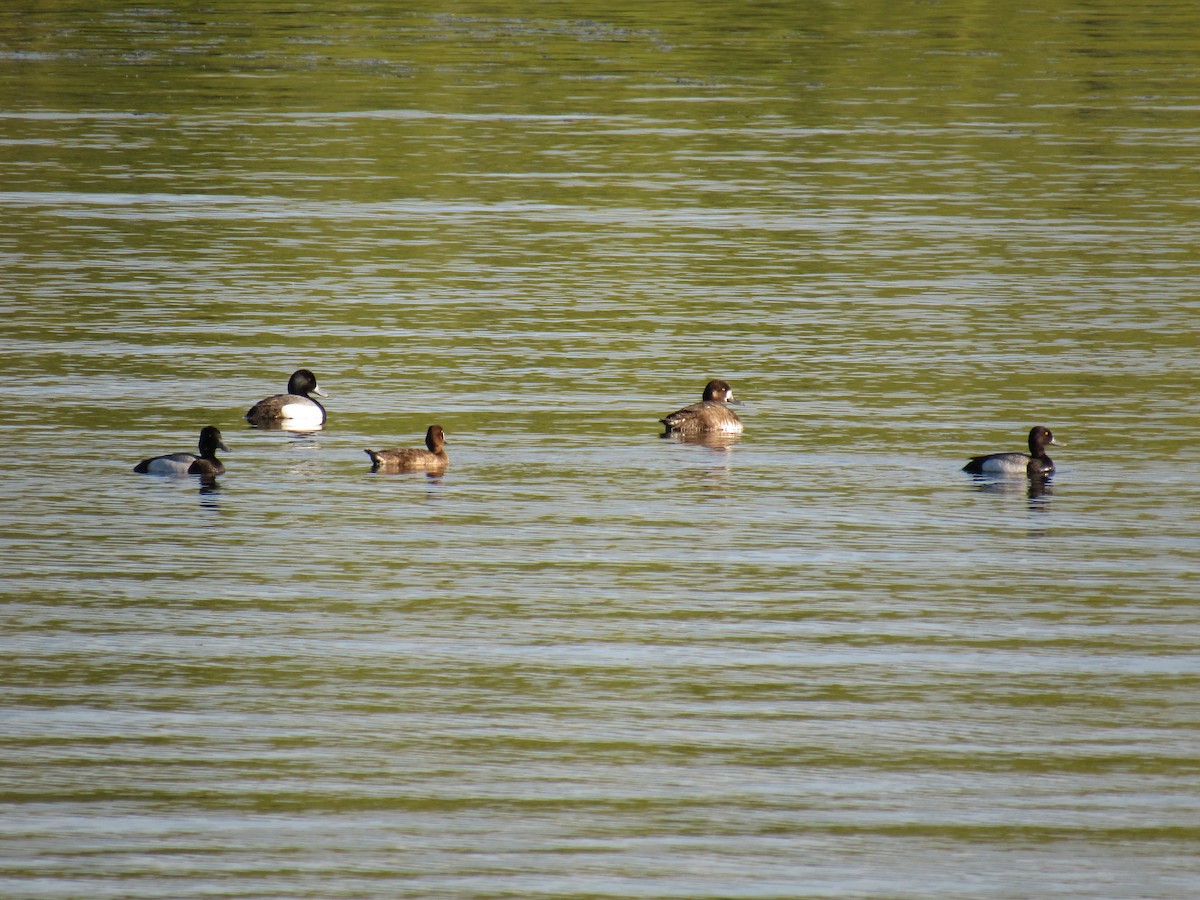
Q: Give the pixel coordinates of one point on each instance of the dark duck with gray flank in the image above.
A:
(1035, 464)
(206, 463)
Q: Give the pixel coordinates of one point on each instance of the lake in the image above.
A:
(818, 661)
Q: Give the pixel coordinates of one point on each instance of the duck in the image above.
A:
(189, 463)
(414, 459)
(711, 415)
(1035, 464)
(293, 410)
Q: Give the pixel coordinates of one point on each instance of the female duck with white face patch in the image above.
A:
(711, 415)
(295, 410)
(189, 463)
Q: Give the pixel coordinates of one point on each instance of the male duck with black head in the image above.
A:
(1034, 465)
(295, 410)
(710, 417)
(206, 463)
(432, 460)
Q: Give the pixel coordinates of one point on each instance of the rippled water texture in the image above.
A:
(585, 661)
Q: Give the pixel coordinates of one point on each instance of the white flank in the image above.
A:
(301, 415)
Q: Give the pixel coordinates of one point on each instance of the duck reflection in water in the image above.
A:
(710, 463)
(1036, 488)
(210, 493)
(714, 440)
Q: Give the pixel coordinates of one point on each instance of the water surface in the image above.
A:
(587, 661)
